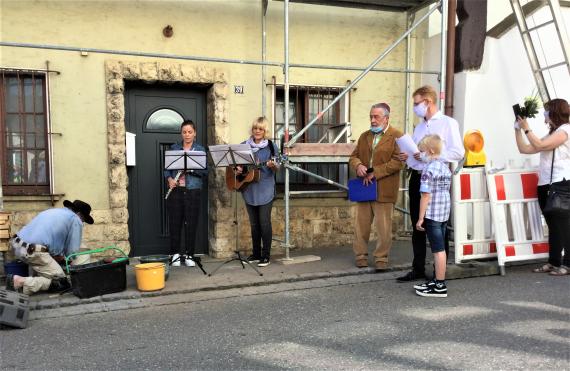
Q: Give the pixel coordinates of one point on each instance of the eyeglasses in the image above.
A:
(421, 101)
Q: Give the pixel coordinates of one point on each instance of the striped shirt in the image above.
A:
(436, 180)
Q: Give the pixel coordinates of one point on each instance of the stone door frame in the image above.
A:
(116, 73)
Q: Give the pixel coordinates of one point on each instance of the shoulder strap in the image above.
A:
(552, 165)
(271, 148)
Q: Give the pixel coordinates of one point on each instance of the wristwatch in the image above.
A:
(527, 131)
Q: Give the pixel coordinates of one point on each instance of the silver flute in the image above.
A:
(175, 180)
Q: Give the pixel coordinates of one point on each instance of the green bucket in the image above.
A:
(158, 259)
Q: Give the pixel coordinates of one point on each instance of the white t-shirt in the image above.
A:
(561, 169)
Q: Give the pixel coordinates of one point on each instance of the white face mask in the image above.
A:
(424, 157)
(421, 110)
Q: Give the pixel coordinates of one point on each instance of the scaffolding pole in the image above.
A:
(264, 4)
(287, 243)
(443, 55)
(204, 59)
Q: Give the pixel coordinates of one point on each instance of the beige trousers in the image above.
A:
(46, 269)
(381, 213)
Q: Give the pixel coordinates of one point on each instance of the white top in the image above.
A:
(448, 130)
(561, 167)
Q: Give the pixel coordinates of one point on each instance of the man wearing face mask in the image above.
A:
(432, 122)
(376, 156)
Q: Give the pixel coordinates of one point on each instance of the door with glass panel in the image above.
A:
(154, 114)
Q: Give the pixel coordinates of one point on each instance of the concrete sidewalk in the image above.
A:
(334, 262)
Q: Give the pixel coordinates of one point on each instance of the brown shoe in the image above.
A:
(361, 263)
(380, 266)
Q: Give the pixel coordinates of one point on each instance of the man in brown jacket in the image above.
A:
(376, 156)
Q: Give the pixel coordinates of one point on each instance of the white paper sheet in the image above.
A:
(407, 145)
(242, 154)
(174, 160)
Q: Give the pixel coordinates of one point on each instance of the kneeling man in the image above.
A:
(53, 233)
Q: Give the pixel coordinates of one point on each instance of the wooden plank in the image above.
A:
(3, 246)
(322, 149)
(4, 233)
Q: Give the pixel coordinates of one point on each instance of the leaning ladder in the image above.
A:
(555, 18)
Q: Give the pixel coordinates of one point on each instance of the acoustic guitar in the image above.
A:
(252, 173)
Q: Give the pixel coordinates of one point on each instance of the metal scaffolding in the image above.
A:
(441, 5)
(410, 7)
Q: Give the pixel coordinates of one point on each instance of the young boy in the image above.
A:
(435, 205)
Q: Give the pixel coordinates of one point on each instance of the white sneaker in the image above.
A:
(189, 262)
(176, 260)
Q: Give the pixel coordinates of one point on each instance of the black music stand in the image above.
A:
(185, 161)
(225, 155)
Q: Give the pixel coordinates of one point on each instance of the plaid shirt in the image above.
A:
(436, 180)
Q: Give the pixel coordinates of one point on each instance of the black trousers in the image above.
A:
(261, 229)
(183, 211)
(558, 231)
(419, 237)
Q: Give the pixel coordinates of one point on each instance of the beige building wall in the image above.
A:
(221, 29)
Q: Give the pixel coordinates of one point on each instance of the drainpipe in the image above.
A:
(450, 65)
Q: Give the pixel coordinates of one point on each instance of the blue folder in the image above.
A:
(358, 192)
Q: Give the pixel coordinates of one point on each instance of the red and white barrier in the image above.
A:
(518, 222)
(472, 222)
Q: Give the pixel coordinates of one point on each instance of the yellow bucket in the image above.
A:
(150, 276)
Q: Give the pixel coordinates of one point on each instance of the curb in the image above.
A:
(475, 269)
(62, 302)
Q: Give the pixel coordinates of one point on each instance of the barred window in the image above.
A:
(305, 102)
(23, 129)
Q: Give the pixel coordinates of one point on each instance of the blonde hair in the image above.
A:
(426, 92)
(432, 145)
(261, 123)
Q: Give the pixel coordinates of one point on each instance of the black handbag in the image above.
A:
(558, 199)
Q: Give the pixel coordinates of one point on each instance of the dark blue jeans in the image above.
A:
(436, 234)
(419, 237)
(261, 229)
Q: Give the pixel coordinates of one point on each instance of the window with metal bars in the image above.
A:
(305, 102)
(23, 129)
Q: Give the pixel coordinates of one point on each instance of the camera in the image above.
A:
(518, 111)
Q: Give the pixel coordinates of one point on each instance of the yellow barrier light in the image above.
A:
(474, 155)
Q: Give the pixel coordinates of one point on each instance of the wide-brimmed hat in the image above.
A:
(79, 206)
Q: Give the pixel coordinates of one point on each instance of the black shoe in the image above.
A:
(252, 259)
(439, 290)
(425, 285)
(411, 276)
(264, 262)
(59, 285)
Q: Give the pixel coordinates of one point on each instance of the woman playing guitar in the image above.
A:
(258, 196)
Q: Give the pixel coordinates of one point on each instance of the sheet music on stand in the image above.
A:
(231, 155)
(225, 155)
(184, 160)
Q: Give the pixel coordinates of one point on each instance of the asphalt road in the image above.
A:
(520, 321)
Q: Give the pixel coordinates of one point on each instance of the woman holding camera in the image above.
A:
(554, 168)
